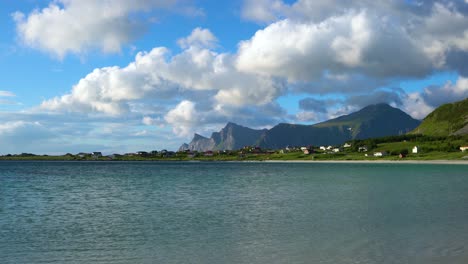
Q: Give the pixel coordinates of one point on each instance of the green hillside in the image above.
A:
(448, 119)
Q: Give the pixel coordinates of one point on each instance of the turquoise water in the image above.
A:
(138, 212)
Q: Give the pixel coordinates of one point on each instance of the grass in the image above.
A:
(445, 120)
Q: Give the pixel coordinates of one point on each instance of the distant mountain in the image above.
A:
(372, 121)
(232, 136)
(447, 119)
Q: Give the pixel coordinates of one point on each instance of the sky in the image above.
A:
(123, 76)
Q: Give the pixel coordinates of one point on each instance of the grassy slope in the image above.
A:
(445, 120)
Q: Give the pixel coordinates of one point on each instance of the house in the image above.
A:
(464, 148)
(323, 148)
(362, 149)
(307, 150)
(415, 150)
(336, 150)
(380, 154)
(82, 154)
(329, 147)
(142, 153)
(347, 145)
(402, 155)
(257, 150)
(96, 154)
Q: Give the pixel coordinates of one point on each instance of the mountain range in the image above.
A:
(372, 121)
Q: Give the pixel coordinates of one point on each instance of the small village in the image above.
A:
(329, 152)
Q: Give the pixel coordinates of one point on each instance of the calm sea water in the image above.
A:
(138, 212)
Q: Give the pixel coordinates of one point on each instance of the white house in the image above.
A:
(329, 147)
(464, 148)
(323, 148)
(347, 145)
(362, 149)
(415, 150)
(336, 150)
(380, 154)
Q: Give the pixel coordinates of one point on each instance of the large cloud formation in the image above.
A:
(341, 47)
(76, 26)
(209, 77)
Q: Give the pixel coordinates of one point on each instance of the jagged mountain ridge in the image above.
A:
(232, 136)
(372, 121)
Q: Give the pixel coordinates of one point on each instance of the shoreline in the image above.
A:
(434, 162)
(441, 162)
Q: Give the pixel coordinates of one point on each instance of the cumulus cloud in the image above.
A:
(76, 26)
(156, 75)
(183, 116)
(263, 10)
(356, 41)
(351, 49)
(415, 106)
(202, 38)
(435, 96)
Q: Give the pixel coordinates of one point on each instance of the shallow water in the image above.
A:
(157, 212)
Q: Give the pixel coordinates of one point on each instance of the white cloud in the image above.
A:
(415, 106)
(76, 26)
(183, 117)
(7, 94)
(149, 121)
(202, 38)
(157, 76)
(263, 10)
(356, 41)
(313, 10)
(336, 49)
(444, 30)
(435, 96)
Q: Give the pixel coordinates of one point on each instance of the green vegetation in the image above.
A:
(394, 147)
(448, 119)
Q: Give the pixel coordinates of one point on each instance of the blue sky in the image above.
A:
(123, 76)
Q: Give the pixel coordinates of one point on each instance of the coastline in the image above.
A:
(434, 162)
(441, 162)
